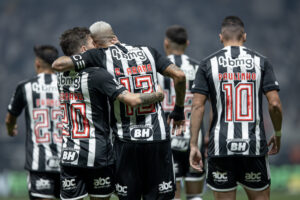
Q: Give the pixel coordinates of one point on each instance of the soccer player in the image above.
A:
(39, 97)
(175, 44)
(87, 157)
(144, 166)
(235, 78)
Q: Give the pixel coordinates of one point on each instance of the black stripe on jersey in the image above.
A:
(178, 60)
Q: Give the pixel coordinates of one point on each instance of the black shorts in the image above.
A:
(144, 170)
(183, 169)
(79, 182)
(43, 185)
(253, 173)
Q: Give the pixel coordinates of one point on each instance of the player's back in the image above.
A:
(136, 68)
(236, 78)
(86, 121)
(39, 96)
(189, 66)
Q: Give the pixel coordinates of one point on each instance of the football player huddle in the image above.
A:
(123, 119)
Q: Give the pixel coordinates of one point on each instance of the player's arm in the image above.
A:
(62, 64)
(11, 124)
(90, 58)
(178, 77)
(177, 114)
(275, 111)
(108, 85)
(197, 114)
(270, 88)
(140, 99)
(15, 107)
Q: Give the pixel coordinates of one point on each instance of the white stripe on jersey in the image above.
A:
(158, 105)
(215, 75)
(245, 127)
(125, 66)
(258, 80)
(76, 141)
(89, 116)
(43, 95)
(230, 127)
(35, 149)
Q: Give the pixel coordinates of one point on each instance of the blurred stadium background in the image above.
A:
(272, 27)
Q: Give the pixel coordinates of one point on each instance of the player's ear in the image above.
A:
(221, 38)
(37, 65)
(244, 37)
(83, 48)
(187, 43)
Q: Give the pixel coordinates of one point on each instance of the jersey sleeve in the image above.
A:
(90, 58)
(107, 84)
(161, 62)
(269, 81)
(17, 102)
(201, 84)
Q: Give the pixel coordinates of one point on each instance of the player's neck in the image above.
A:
(45, 71)
(233, 43)
(174, 52)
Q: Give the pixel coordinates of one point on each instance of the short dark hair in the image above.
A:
(232, 28)
(177, 34)
(72, 39)
(47, 53)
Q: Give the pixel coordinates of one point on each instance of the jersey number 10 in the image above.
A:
(239, 105)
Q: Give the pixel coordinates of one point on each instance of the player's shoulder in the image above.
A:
(254, 53)
(214, 54)
(28, 80)
(191, 60)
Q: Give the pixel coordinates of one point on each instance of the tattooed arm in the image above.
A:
(62, 64)
(178, 77)
(140, 99)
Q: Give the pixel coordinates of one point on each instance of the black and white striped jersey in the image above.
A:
(189, 67)
(39, 96)
(136, 68)
(84, 99)
(235, 78)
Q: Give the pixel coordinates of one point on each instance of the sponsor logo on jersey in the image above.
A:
(121, 190)
(72, 80)
(141, 132)
(69, 184)
(69, 155)
(134, 53)
(253, 177)
(245, 61)
(189, 71)
(36, 87)
(220, 177)
(53, 162)
(238, 145)
(102, 182)
(42, 184)
(179, 143)
(165, 187)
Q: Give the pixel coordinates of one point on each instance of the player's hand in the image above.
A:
(275, 143)
(176, 117)
(161, 93)
(196, 159)
(13, 131)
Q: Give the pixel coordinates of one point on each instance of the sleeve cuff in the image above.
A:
(194, 90)
(115, 94)
(78, 62)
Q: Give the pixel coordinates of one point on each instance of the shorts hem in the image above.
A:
(74, 198)
(221, 190)
(255, 189)
(42, 195)
(194, 179)
(178, 179)
(101, 195)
